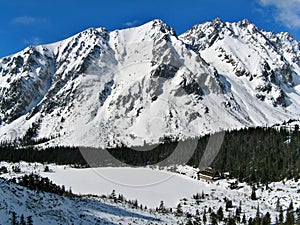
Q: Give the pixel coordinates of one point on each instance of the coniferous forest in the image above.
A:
(259, 154)
(251, 154)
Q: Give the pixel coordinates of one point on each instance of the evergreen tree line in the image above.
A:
(58, 155)
(260, 155)
(251, 154)
(21, 221)
(236, 215)
(38, 183)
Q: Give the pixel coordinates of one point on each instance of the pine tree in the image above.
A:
(240, 207)
(291, 206)
(258, 211)
(161, 207)
(267, 219)
(204, 217)
(238, 214)
(135, 204)
(280, 219)
(14, 218)
(290, 218)
(253, 194)
(46, 169)
(179, 211)
(112, 195)
(237, 217)
(278, 205)
(231, 221)
(257, 219)
(197, 212)
(220, 214)
(189, 222)
(22, 220)
(250, 221)
(244, 220)
(29, 220)
(121, 198)
(213, 218)
(70, 191)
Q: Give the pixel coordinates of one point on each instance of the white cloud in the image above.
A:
(286, 11)
(131, 23)
(24, 20)
(33, 41)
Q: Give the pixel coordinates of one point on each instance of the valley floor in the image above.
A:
(151, 187)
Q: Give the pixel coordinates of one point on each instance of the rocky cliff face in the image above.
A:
(144, 84)
(270, 62)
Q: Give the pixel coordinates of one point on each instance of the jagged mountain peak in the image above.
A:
(153, 29)
(217, 20)
(245, 23)
(203, 35)
(161, 26)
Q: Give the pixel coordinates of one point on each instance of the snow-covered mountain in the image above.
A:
(143, 84)
(262, 68)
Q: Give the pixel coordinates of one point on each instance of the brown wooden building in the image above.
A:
(209, 174)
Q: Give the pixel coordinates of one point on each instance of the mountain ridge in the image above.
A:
(141, 85)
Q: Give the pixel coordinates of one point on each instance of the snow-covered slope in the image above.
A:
(48, 208)
(143, 84)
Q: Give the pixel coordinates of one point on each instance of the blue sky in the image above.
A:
(32, 22)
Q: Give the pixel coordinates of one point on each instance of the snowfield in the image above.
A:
(151, 186)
